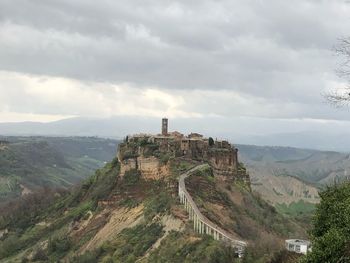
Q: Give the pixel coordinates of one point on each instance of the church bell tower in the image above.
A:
(165, 126)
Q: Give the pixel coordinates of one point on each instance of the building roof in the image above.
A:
(298, 242)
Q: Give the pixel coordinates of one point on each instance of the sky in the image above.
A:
(262, 66)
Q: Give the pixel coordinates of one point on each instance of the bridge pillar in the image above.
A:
(195, 223)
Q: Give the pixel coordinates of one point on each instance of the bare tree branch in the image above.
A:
(341, 97)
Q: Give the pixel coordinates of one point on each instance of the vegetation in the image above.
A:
(179, 166)
(296, 209)
(181, 248)
(285, 257)
(331, 226)
(211, 141)
(22, 218)
(131, 244)
(131, 177)
(59, 228)
(23, 211)
(34, 163)
(158, 204)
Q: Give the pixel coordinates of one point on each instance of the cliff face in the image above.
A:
(150, 157)
(150, 167)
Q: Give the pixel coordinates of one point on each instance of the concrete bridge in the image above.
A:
(201, 224)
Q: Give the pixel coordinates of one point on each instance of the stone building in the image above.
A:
(222, 156)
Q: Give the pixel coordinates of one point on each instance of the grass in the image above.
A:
(182, 248)
(296, 209)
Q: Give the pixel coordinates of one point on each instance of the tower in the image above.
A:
(164, 126)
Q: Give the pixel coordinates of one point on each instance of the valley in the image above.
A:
(28, 164)
(129, 210)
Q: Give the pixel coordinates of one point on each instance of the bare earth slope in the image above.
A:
(286, 175)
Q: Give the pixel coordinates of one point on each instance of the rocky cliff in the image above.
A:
(149, 167)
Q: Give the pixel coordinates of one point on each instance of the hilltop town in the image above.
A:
(149, 153)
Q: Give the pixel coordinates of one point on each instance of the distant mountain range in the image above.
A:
(118, 127)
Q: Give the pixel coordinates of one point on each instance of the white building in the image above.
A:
(298, 246)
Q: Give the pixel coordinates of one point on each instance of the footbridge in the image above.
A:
(201, 224)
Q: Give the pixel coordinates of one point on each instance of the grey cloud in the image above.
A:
(277, 52)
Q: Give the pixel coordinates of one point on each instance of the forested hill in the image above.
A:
(31, 163)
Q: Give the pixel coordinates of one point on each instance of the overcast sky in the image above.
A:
(256, 61)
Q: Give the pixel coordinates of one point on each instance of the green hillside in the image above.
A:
(31, 163)
(114, 219)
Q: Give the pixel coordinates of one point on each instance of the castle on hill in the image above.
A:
(221, 155)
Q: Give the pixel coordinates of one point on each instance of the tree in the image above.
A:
(341, 96)
(211, 141)
(331, 227)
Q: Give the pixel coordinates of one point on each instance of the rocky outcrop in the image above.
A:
(149, 167)
(152, 168)
(127, 165)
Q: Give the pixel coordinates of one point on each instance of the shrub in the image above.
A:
(164, 158)
(134, 242)
(40, 255)
(131, 177)
(158, 204)
(59, 244)
(9, 246)
(89, 256)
